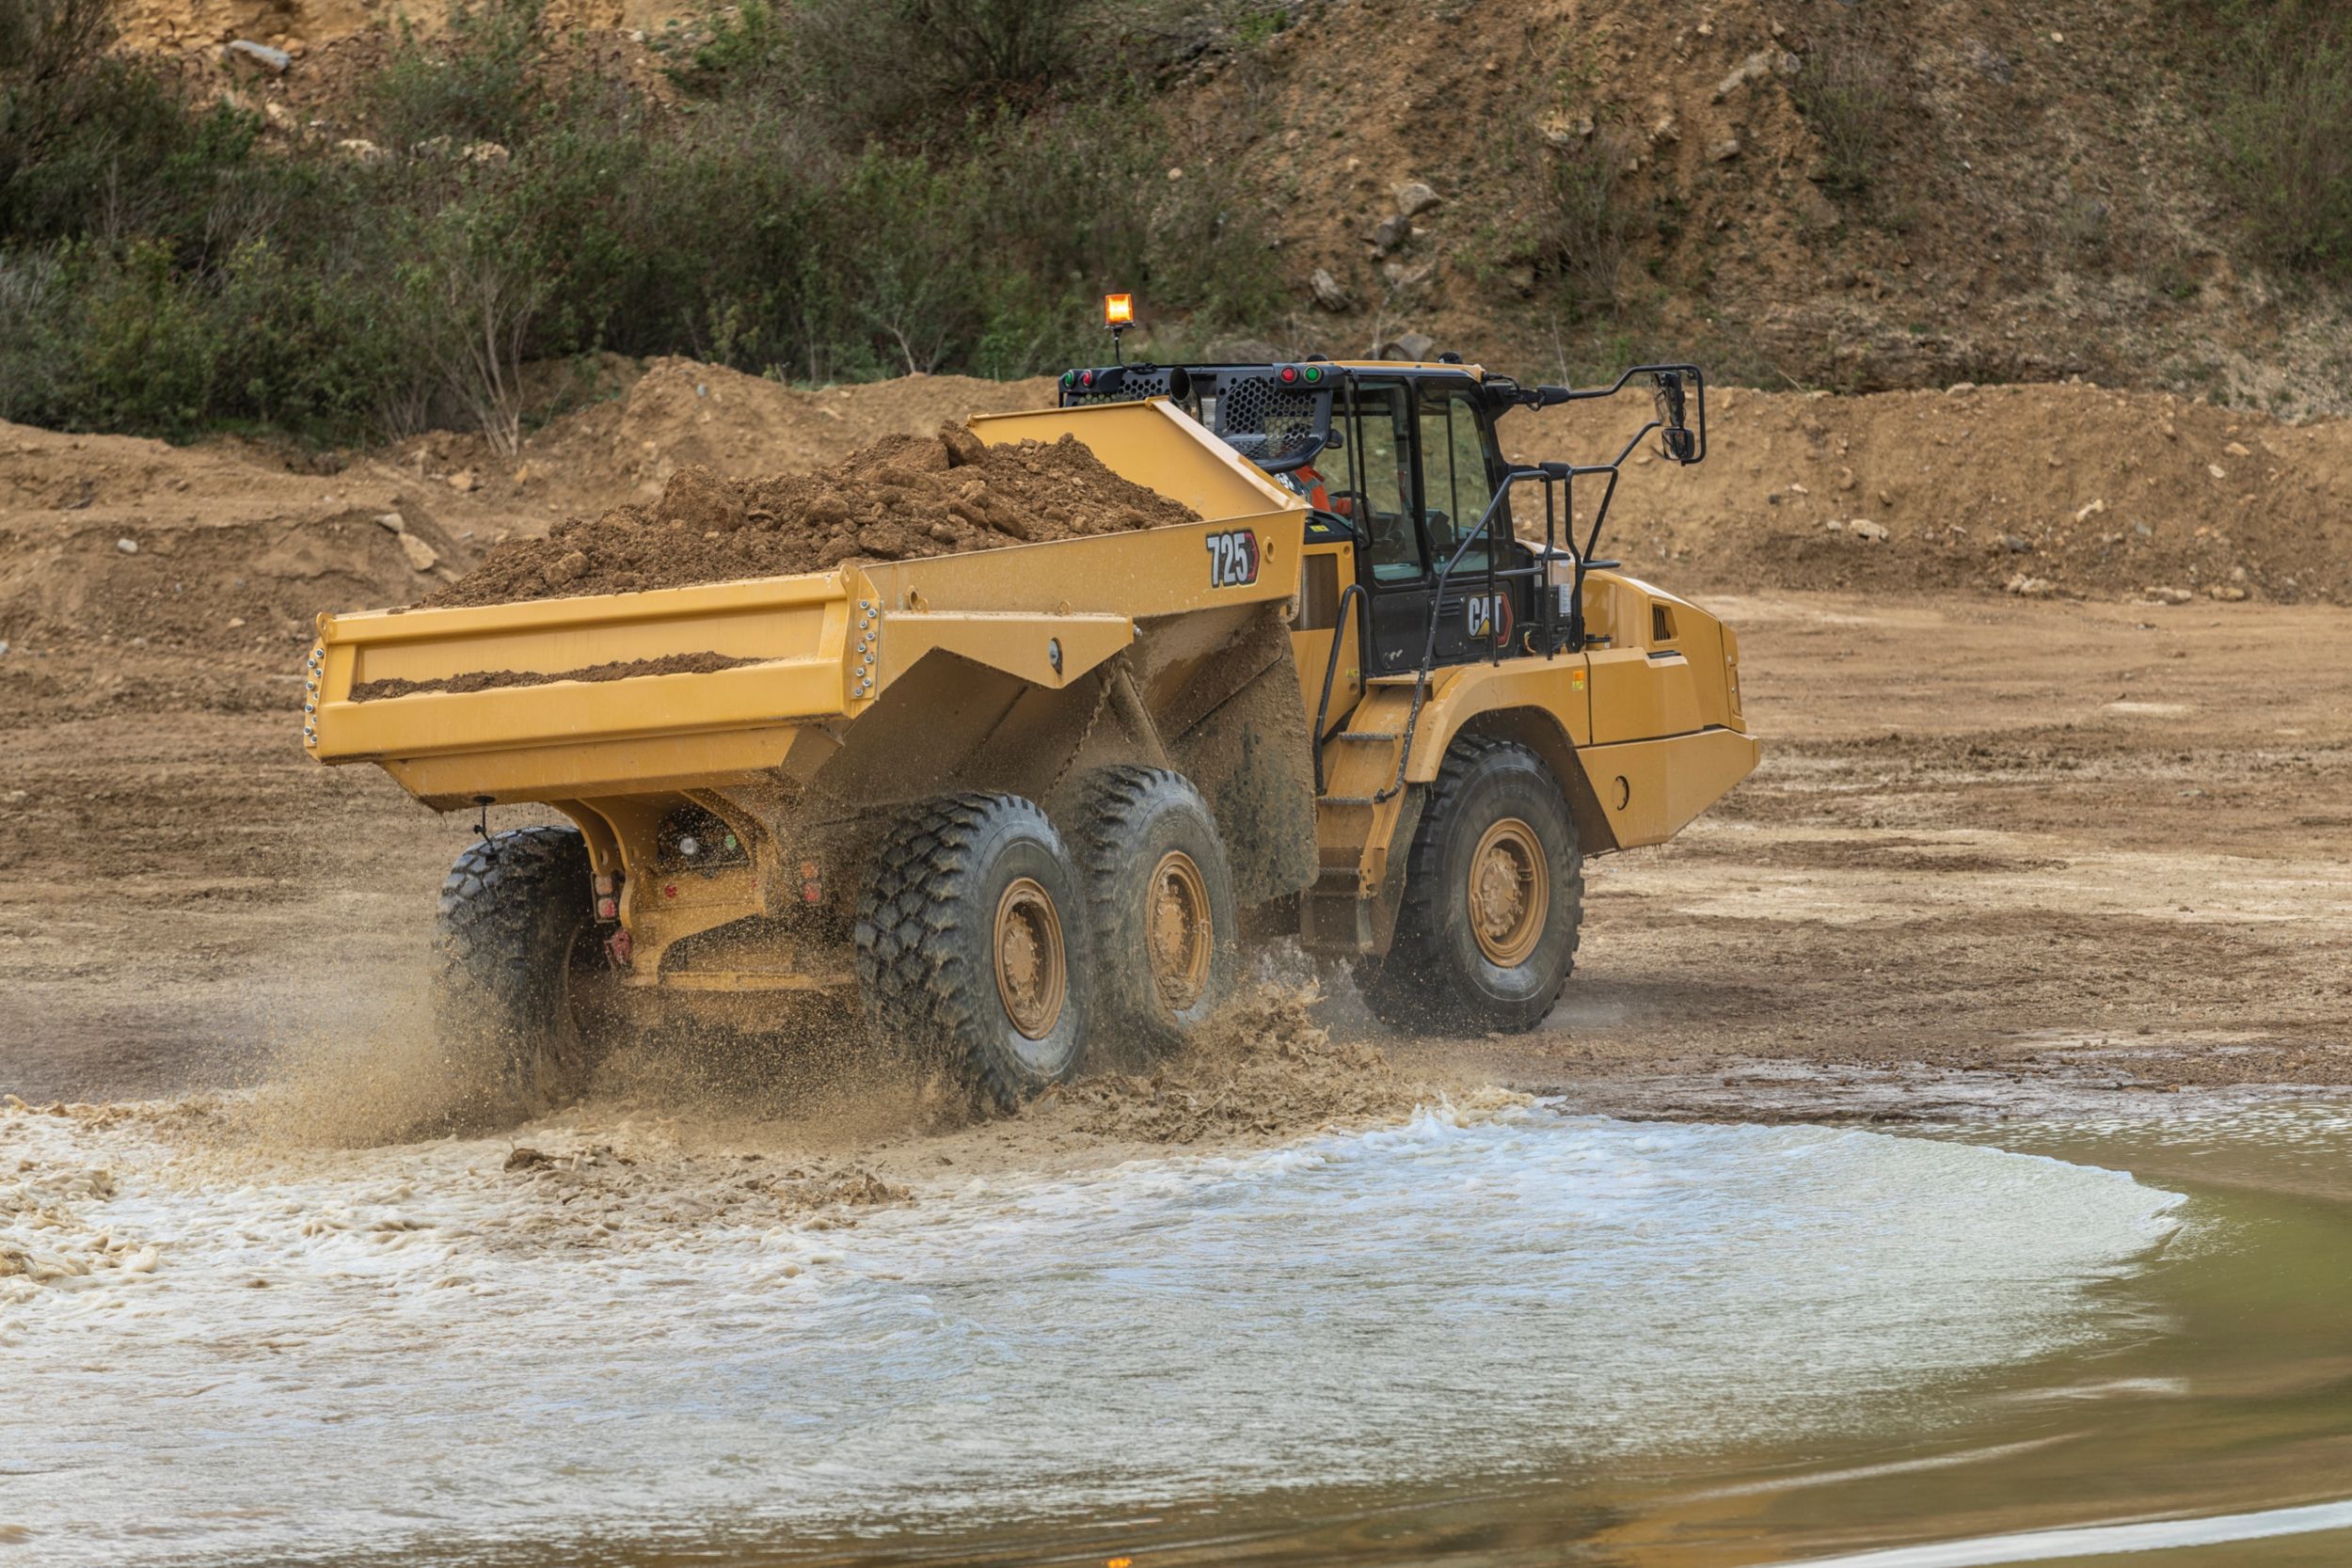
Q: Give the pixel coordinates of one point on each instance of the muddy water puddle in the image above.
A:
(1514, 1335)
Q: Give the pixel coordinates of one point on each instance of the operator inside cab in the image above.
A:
(1370, 490)
(1309, 485)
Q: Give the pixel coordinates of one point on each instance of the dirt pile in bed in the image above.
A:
(903, 497)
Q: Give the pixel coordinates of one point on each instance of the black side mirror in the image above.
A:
(1676, 441)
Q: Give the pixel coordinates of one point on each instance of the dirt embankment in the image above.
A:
(2065, 491)
(906, 496)
(141, 575)
(1889, 195)
(2050, 491)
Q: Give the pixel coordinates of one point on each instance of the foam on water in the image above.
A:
(427, 1357)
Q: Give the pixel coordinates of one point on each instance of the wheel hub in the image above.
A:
(1182, 941)
(1510, 893)
(1032, 969)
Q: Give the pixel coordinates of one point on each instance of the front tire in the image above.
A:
(1160, 898)
(515, 909)
(972, 945)
(1494, 892)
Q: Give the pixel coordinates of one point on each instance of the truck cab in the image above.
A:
(1442, 594)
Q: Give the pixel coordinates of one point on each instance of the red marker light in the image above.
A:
(1086, 380)
(1290, 374)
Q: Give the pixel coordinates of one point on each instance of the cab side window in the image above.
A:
(1453, 470)
(1371, 482)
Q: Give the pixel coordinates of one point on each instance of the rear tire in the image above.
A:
(972, 944)
(515, 910)
(1494, 890)
(1160, 898)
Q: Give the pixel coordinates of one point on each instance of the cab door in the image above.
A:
(1459, 467)
(1369, 479)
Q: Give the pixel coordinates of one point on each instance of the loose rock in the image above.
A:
(275, 61)
(1414, 197)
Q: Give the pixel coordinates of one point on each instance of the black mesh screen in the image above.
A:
(1119, 384)
(1271, 421)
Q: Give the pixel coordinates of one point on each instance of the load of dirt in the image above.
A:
(491, 680)
(901, 498)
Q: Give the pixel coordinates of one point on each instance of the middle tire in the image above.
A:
(972, 944)
(1159, 895)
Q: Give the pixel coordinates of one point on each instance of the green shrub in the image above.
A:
(1851, 95)
(473, 84)
(1569, 217)
(163, 269)
(2283, 132)
(878, 66)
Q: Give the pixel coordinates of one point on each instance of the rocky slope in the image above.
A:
(1807, 194)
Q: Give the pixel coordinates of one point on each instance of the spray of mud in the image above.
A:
(816, 1118)
(1263, 1069)
(809, 1130)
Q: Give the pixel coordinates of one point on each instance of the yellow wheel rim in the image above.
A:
(1032, 967)
(1510, 893)
(1181, 940)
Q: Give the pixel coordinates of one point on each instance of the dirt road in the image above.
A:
(1991, 841)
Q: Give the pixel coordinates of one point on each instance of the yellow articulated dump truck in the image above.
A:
(1027, 803)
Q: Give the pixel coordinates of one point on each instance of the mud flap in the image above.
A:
(1249, 758)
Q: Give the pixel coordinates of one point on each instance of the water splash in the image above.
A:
(366, 1347)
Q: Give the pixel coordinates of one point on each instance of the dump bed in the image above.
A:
(712, 685)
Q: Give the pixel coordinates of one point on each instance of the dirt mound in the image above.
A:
(627, 428)
(234, 549)
(215, 549)
(902, 496)
(2048, 492)
(680, 413)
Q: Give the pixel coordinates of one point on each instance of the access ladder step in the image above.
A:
(1368, 735)
(1349, 800)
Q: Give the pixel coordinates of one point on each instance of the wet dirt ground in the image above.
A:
(2060, 894)
(1996, 848)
